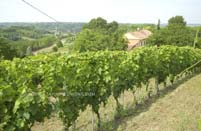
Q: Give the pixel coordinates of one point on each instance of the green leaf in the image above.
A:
(17, 105)
(26, 115)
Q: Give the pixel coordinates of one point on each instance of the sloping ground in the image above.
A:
(176, 110)
(44, 50)
(47, 49)
(179, 110)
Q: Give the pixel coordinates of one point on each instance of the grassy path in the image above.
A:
(44, 50)
(47, 49)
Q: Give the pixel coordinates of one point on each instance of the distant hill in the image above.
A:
(50, 26)
(72, 27)
(193, 25)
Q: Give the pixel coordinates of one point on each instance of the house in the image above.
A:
(137, 38)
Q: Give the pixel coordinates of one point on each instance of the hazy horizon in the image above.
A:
(122, 11)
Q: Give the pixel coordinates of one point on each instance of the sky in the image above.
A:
(123, 11)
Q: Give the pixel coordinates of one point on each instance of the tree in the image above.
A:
(28, 51)
(159, 37)
(179, 34)
(158, 25)
(176, 33)
(55, 49)
(177, 21)
(70, 37)
(59, 44)
(112, 27)
(99, 35)
(165, 36)
(197, 39)
(5, 49)
(96, 24)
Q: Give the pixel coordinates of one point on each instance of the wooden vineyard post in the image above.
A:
(92, 120)
(123, 99)
(74, 126)
(134, 98)
(147, 89)
(156, 86)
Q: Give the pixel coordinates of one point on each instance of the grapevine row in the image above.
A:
(34, 87)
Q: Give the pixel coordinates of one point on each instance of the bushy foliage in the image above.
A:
(176, 33)
(177, 21)
(55, 49)
(59, 44)
(23, 40)
(15, 33)
(6, 52)
(22, 45)
(133, 27)
(99, 35)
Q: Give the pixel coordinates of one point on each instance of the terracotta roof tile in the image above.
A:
(141, 34)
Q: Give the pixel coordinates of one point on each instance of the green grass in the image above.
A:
(175, 109)
(64, 49)
(44, 50)
(179, 110)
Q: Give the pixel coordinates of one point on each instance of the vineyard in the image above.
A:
(32, 88)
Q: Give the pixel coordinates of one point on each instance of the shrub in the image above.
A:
(55, 49)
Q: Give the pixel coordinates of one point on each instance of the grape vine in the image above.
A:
(34, 87)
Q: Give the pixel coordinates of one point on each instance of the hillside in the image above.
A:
(72, 27)
(179, 110)
(22, 40)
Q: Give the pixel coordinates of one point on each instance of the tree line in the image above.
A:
(20, 41)
(176, 33)
(100, 35)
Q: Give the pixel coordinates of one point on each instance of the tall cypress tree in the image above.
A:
(158, 25)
